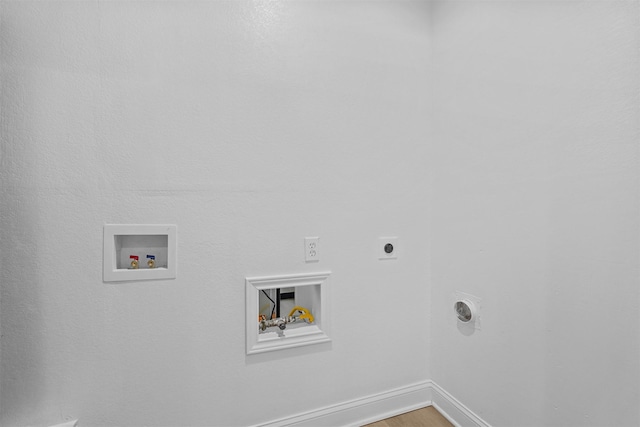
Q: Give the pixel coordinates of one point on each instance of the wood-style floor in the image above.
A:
(425, 417)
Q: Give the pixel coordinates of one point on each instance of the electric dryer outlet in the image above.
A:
(387, 247)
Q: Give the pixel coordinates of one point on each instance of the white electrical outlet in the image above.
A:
(311, 249)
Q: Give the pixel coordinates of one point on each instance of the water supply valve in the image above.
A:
(303, 314)
(151, 261)
(134, 261)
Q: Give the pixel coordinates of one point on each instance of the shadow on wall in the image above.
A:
(22, 321)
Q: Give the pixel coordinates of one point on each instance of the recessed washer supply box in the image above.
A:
(311, 291)
(122, 242)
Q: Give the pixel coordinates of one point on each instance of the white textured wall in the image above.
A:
(253, 124)
(536, 209)
(250, 125)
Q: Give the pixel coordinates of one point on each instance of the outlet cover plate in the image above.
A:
(312, 249)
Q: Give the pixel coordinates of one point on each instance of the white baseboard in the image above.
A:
(453, 410)
(369, 409)
(364, 410)
(383, 405)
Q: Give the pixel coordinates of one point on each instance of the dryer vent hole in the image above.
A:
(464, 311)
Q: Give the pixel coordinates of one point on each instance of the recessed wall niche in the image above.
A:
(286, 311)
(139, 252)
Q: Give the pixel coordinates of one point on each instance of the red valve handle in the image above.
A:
(133, 257)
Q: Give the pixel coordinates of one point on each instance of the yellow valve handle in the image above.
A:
(306, 314)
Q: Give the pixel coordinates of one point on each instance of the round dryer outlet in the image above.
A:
(387, 248)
